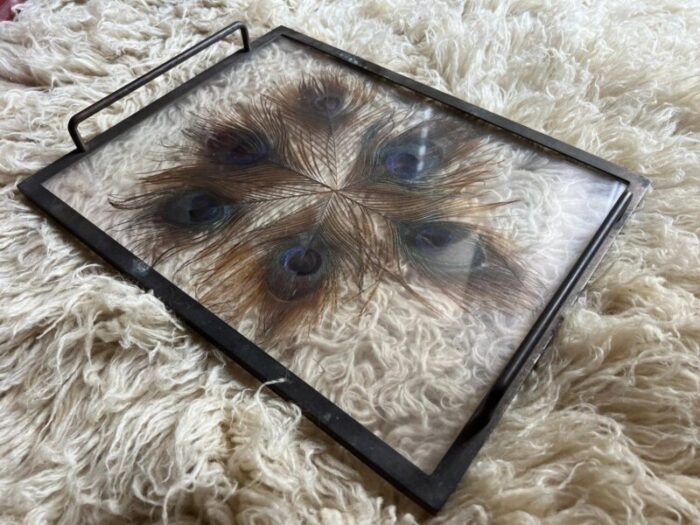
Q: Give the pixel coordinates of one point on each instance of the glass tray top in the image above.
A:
(390, 250)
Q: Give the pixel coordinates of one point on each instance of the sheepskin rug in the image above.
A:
(111, 411)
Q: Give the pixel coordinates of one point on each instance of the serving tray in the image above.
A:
(390, 258)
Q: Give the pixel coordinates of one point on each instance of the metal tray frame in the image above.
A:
(428, 490)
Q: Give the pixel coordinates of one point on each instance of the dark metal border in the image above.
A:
(429, 490)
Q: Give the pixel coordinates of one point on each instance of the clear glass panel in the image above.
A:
(388, 250)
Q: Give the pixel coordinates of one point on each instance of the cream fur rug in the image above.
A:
(111, 411)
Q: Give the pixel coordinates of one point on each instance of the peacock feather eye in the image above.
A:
(410, 158)
(433, 237)
(297, 269)
(194, 208)
(330, 104)
(450, 246)
(325, 100)
(237, 148)
(300, 261)
(330, 100)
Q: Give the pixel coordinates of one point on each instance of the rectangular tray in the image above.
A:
(460, 135)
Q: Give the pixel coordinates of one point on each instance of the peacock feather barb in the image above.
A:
(317, 192)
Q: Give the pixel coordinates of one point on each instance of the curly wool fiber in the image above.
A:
(112, 411)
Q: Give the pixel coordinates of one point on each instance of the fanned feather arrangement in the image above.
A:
(316, 192)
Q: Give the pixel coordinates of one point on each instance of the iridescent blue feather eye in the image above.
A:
(327, 101)
(296, 270)
(409, 159)
(433, 237)
(194, 208)
(300, 261)
(450, 246)
(328, 104)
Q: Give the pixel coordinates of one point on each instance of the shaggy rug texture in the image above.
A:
(111, 411)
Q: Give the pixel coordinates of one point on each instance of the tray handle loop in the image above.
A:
(123, 91)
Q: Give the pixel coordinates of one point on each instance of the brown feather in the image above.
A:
(313, 185)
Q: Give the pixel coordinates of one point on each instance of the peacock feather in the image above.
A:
(314, 188)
